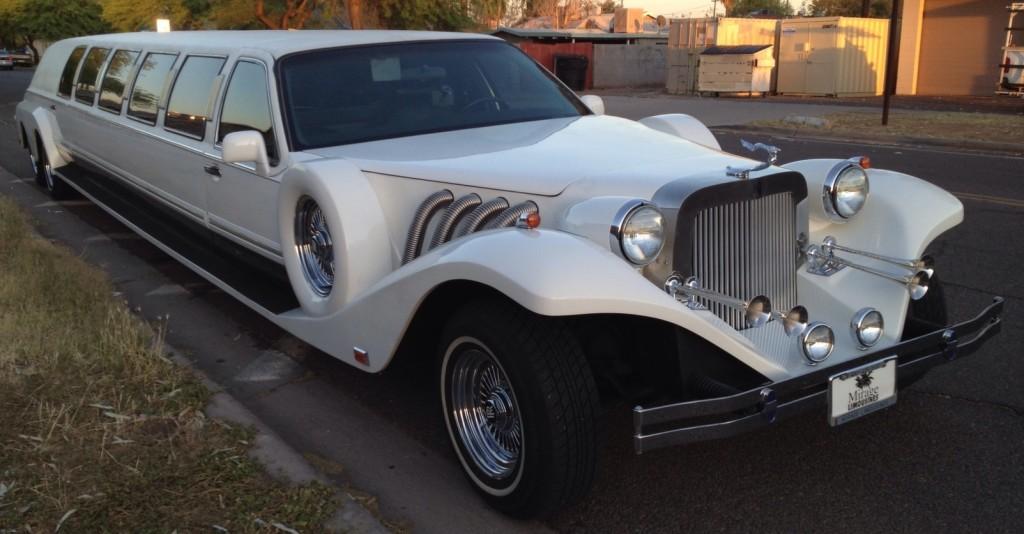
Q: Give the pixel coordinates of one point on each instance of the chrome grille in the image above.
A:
(745, 249)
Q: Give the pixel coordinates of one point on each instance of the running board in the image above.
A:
(257, 281)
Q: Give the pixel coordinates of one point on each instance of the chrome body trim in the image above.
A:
(691, 421)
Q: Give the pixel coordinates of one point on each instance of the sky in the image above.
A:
(673, 8)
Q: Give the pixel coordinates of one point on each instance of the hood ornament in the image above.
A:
(744, 173)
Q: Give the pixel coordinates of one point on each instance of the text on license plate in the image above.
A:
(861, 391)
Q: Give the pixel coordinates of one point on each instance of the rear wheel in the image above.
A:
(55, 185)
(520, 406)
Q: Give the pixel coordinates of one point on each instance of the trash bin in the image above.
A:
(572, 70)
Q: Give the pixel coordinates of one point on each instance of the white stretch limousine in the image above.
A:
(441, 196)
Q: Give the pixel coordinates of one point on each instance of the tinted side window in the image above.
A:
(67, 77)
(149, 86)
(115, 80)
(85, 89)
(190, 98)
(247, 106)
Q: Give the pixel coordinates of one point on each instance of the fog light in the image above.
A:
(867, 327)
(817, 342)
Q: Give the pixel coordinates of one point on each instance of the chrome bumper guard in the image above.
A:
(708, 419)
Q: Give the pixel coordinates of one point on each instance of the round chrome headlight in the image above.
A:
(639, 232)
(845, 191)
(817, 342)
(867, 327)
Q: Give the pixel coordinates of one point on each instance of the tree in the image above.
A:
(440, 15)
(290, 14)
(136, 15)
(774, 8)
(608, 6)
(848, 8)
(24, 21)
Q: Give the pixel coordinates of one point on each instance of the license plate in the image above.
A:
(858, 392)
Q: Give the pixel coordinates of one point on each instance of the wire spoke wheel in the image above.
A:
(48, 175)
(485, 413)
(314, 246)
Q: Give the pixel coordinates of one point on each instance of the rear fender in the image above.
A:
(45, 124)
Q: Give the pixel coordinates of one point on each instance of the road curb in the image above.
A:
(280, 460)
(811, 135)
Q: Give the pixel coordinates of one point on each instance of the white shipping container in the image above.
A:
(833, 56)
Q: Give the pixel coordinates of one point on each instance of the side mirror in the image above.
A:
(594, 102)
(244, 147)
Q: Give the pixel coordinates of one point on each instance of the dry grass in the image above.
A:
(950, 126)
(98, 431)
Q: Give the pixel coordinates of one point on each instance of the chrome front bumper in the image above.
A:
(707, 419)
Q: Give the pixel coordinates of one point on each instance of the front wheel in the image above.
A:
(520, 406)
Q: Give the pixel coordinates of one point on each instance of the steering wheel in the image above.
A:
(482, 100)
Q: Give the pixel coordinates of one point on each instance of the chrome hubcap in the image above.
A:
(315, 248)
(48, 175)
(485, 414)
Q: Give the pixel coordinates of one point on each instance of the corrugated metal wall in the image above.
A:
(862, 44)
(545, 55)
(841, 56)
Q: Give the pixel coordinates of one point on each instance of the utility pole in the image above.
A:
(892, 57)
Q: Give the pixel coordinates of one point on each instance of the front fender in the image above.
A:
(546, 271)
(902, 216)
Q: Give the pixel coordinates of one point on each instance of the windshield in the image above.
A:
(350, 95)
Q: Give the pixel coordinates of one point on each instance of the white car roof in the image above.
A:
(276, 42)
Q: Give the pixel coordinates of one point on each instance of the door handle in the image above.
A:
(212, 170)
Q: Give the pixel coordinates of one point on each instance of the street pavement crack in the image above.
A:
(1019, 412)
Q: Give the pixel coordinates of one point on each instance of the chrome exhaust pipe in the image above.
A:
(821, 260)
(756, 312)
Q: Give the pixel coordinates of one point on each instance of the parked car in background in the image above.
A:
(441, 196)
(23, 57)
(6, 60)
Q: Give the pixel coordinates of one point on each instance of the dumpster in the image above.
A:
(736, 69)
(572, 70)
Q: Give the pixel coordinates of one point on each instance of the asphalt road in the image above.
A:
(947, 457)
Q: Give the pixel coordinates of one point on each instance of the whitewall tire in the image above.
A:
(520, 406)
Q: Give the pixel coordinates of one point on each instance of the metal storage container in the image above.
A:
(834, 56)
(697, 32)
(736, 69)
(689, 37)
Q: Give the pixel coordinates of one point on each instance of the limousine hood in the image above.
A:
(541, 157)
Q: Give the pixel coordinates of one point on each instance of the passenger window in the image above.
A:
(247, 106)
(85, 89)
(116, 79)
(190, 98)
(149, 86)
(67, 78)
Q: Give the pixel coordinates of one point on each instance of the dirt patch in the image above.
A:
(925, 125)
